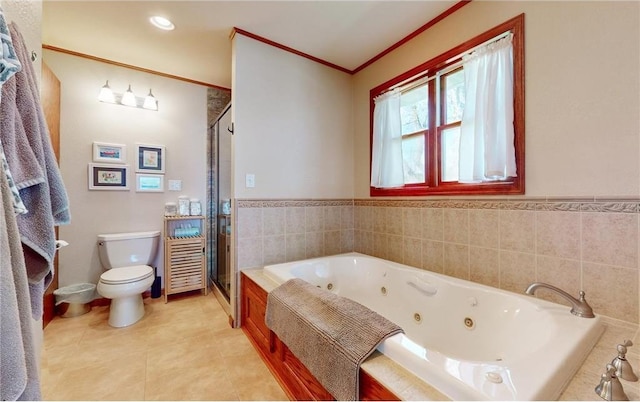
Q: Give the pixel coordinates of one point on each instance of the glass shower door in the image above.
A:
(219, 221)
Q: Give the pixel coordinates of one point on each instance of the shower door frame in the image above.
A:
(213, 202)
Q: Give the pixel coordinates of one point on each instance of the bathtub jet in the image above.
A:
(470, 341)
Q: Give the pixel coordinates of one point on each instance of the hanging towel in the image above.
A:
(27, 146)
(18, 365)
(18, 205)
(9, 63)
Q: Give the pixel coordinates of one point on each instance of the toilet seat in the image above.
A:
(124, 275)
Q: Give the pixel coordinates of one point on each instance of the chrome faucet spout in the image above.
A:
(579, 307)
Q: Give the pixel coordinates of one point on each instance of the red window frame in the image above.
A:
(434, 185)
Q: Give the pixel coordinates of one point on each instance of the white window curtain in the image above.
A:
(487, 151)
(386, 156)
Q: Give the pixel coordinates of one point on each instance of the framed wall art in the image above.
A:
(109, 153)
(150, 158)
(149, 182)
(108, 177)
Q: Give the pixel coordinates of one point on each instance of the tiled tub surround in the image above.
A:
(271, 232)
(573, 244)
(589, 244)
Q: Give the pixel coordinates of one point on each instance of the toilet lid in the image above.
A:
(126, 274)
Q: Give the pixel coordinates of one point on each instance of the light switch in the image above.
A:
(175, 185)
(250, 180)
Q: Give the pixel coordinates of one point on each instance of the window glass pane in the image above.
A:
(454, 97)
(450, 140)
(413, 159)
(414, 110)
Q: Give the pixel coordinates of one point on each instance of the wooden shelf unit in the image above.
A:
(184, 255)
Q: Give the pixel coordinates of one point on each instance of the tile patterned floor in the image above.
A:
(182, 350)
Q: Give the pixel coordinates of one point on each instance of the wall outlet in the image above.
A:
(250, 180)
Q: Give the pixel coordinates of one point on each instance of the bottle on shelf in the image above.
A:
(195, 208)
(183, 205)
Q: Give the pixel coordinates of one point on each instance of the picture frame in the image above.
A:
(153, 183)
(108, 177)
(150, 158)
(105, 152)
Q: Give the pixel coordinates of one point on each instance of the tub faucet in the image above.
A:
(579, 307)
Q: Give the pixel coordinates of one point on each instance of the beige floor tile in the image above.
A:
(181, 350)
(234, 343)
(264, 390)
(162, 360)
(252, 379)
(117, 379)
(64, 335)
(191, 383)
(48, 381)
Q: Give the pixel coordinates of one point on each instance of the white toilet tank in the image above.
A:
(124, 249)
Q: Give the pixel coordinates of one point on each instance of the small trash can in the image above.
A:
(74, 300)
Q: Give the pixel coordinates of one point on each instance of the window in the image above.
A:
(432, 101)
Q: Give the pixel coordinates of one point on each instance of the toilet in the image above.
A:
(126, 258)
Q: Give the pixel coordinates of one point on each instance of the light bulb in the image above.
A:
(150, 102)
(106, 94)
(162, 23)
(129, 99)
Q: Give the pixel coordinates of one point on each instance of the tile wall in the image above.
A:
(584, 244)
(271, 232)
(588, 244)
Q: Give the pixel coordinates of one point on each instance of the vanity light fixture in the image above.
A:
(128, 98)
(162, 23)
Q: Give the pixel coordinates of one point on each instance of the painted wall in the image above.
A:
(293, 130)
(582, 85)
(180, 125)
(293, 125)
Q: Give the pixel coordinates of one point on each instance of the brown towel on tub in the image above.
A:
(329, 334)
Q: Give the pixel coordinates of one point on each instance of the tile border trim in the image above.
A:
(513, 205)
(293, 203)
(585, 204)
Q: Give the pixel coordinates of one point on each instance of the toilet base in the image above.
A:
(126, 310)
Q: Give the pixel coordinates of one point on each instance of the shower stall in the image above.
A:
(219, 222)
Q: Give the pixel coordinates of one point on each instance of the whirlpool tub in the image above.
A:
(471, 342)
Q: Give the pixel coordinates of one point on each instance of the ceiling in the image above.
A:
(345, 33)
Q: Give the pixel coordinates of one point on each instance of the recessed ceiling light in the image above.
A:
(162, 23)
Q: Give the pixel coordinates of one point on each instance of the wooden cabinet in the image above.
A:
(254, 307)
(296, 380)
(184, 255)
